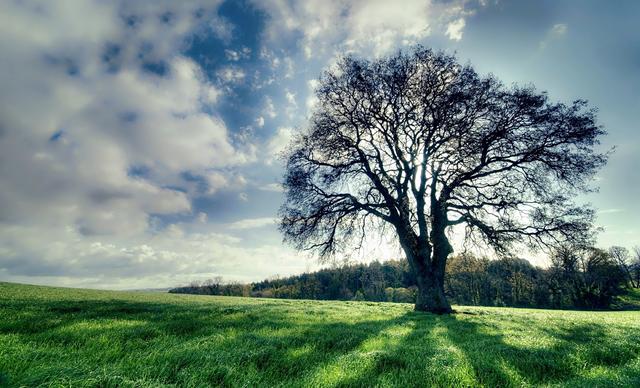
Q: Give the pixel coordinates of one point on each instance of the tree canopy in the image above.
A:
(417, 143)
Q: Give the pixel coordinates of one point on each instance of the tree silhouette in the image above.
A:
(416, 143)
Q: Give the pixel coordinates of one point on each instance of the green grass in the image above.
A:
(629, 301)
(66, 337)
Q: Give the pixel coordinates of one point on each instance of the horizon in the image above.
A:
(139, 144)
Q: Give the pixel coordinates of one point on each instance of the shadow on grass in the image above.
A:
(284, 344)
(216, 344)
(471, 353)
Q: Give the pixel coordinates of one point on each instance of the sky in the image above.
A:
(139, 140)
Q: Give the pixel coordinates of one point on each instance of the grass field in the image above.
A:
(68, 337)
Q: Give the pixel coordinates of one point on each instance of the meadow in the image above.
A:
(57, 337)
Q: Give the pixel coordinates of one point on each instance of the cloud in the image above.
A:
(269, 108)
(455, 29)
(231, 75)
(236, 55)
(169, 258)
(108, 123)
(610, 211)
(370, 27)
(273, 187)
(101, 120)
(557, 31)
(291, 98)
(253, 223)
(292, 104)
(312, 100)
(278, 143)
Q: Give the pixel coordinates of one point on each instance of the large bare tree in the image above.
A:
(416, 143)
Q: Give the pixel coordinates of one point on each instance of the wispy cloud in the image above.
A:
(610, 211)
(556, 32)
(253, 223)
(368, 27)
(273, 187)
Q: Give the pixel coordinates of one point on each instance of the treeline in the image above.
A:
(577, 278)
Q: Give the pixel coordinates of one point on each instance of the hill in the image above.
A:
(75, 337)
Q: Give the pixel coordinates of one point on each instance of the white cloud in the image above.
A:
(108, 123)
(273, 187)
(211, 95)
(312, 100)
(557, 31)
(231, 75)
(215, 181)
(253, 223)
(455, 29)
(236, 55)
(269, 108)
(292, 104)
(94, 147)
(370, 27)
(610, 211)
(232, 55)
(171, 257)
(289, 67)
(278, 143)
(291, 97)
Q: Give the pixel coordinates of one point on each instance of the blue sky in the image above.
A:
(139, 140)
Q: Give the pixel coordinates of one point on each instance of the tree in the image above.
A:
(467, 279)
(415, 144)
(622, 257)
(635, 266)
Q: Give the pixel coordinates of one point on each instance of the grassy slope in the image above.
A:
(630, 301)
(66, 337)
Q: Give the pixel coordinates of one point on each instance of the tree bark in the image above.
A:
(427, 262)
(431, 297)
(430, 277)
(429, 274)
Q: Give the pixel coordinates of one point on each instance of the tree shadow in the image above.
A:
(470, 351)
(257, 344)
(307, 343)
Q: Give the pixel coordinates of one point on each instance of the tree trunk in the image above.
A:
(427, 262)
(430, 296)
(430, 275)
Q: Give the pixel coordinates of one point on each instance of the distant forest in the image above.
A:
(590, 279)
